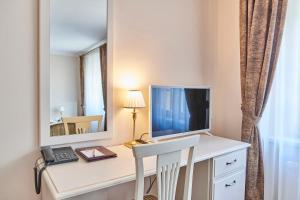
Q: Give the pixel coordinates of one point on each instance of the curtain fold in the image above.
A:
(103, 60)
(261, 27)
(171, 112)
(81, 110)
(93, 95)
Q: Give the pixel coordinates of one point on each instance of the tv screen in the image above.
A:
(177, 110)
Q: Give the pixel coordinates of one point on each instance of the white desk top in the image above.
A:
(72, 179)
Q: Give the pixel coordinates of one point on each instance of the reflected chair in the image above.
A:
(82, 123)
(168, 162)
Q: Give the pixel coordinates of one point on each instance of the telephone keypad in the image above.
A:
(63, 155)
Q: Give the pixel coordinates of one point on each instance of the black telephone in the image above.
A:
(52, 157)
(58, 155)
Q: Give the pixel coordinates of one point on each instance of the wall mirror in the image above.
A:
(75, 71)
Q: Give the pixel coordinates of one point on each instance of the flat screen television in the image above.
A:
(178, 110)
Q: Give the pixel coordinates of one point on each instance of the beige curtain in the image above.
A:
(261, 27)
(103, 60)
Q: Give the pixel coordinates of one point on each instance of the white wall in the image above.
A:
(226, 75)
(18, 101)
(64, 85)
(159, 42)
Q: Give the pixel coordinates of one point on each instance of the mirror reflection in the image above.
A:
(78, 66)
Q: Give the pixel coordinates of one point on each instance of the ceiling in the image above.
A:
(77, 25)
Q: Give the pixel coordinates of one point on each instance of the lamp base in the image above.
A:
(131, 144)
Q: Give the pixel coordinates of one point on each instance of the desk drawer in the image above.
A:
(229, 162)
(232, 187)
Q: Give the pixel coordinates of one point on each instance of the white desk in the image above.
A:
(73, 179)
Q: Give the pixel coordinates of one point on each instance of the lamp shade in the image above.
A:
(61, 109)
(134, 99)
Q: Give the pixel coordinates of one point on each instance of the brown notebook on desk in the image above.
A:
(95, 153)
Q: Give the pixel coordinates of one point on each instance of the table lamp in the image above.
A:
(61, 112)
(134, 100)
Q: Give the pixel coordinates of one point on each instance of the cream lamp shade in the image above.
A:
(134, 99)
(61, 109)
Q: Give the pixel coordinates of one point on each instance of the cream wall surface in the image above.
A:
(169, 42)
(19, 98)
(64, 85)
(159, 42)
(226, 75)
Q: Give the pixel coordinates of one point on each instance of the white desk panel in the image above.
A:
(72, 179)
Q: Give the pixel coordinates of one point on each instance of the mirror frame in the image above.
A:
(44, 81)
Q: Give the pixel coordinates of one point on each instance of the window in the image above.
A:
(280, 124)
(93, 94)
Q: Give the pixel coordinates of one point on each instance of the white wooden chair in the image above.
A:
(82, 123)
(168, 154)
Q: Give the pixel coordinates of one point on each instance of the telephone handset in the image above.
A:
(48, 155)
(52, 157)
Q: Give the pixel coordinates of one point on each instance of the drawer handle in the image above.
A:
(229, 185)
(232, 162)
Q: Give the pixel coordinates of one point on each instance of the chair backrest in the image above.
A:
(167, 166)
(82, 123)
